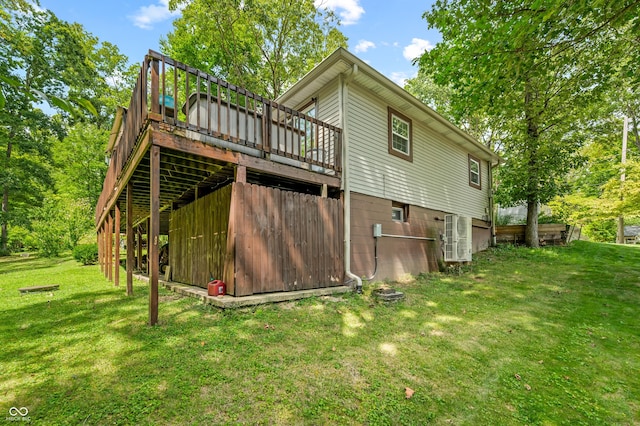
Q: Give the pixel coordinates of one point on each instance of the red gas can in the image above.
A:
(216, 288)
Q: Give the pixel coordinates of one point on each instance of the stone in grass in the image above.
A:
(388, 294)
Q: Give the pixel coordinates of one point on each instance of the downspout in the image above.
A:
(344, 81)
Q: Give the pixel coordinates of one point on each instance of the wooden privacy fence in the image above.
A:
(198, 238)
(284, 240)
(259, 240)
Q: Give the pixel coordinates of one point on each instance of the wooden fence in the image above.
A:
(258, 240)
(548, 233)
(198, 238)
(284, 240)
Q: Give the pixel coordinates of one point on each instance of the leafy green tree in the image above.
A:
(477, 122)
(80, 162)
(45, 59)
(535, 67)
(262, 45)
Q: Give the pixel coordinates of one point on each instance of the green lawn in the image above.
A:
(549, 336)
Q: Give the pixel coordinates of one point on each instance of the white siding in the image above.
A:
(438, 177)
(328, 104)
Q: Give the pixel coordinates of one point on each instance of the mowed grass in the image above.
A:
(549, 336)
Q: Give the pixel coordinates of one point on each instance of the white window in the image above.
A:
(474, 172)
(397, 214)
(400, 131)
(400, 135)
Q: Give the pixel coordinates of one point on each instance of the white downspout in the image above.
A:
(342, 105)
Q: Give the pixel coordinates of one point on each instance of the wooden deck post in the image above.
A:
(139, 249)
(148, 243)
(130, 241)
(104, 247)
(99, 241)
(155, 86)
(116, 261)
(241, 174)
(154, 231)
(110, 247)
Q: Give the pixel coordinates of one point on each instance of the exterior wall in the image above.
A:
(481, 235)
(396, 256)
(399, 256)
(438, 177)
(328, 104)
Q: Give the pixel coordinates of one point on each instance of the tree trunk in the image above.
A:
(531, 231)
(5, 204)
(5, 207)
(533, 136)
(620, 233)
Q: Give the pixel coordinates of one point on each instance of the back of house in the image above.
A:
(417, 188)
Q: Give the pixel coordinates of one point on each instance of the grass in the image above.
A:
(547, 336)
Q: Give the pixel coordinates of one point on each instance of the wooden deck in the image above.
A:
(187, 134)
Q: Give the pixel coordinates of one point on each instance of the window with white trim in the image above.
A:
(399, 212)
(474, 172)
(400, 135)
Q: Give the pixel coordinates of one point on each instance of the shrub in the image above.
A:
(603, 231)
(87, 254)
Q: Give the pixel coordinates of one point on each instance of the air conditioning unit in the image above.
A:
(458, 241)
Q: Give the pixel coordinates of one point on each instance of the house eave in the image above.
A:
(341, 61)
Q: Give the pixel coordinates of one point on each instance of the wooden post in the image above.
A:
(99, 237)
(154, 231)
(155, 87)
(130, 241)
(116, 263)
(139, 249)
(148, 243)
(104, 247)
(110, 247)
(241, 174)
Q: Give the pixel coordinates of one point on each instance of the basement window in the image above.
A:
(399, 212)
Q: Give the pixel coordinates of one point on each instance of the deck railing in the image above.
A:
(234, 118)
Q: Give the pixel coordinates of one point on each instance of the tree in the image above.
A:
(43, 58)
(535, 67)
(477, 123)
(79, 162)
(597, 194)
(262, 45)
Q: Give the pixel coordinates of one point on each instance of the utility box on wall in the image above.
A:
(377, 230)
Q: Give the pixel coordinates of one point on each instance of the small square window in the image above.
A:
(474, 172)
(400, 135)
(399, 212)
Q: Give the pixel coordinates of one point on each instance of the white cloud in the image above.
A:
(146, 16)
(417, 47)
(349, 11)
(364, 45)
(401, 77)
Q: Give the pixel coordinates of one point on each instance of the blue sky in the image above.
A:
(385, 34)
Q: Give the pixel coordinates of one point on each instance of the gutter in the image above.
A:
(343, 96)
